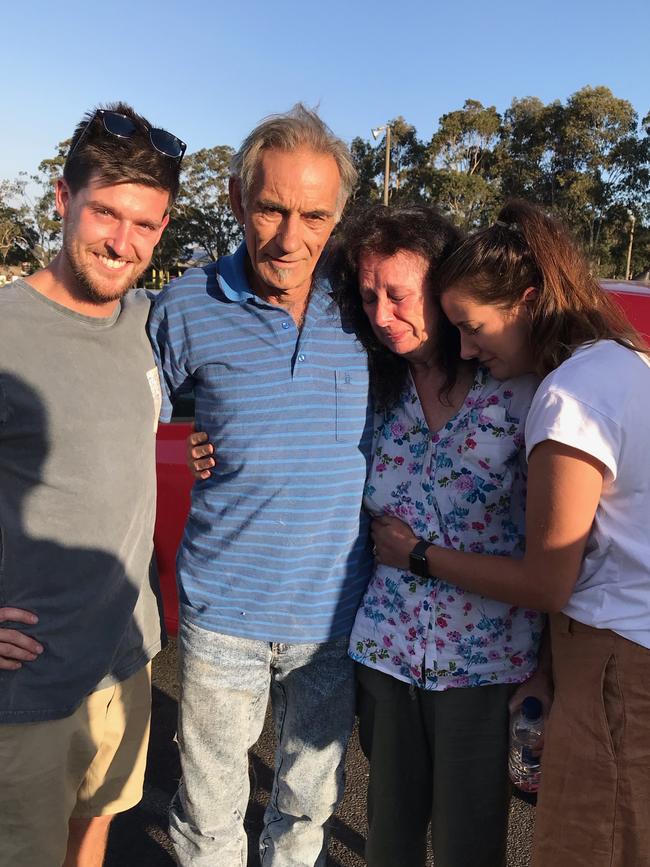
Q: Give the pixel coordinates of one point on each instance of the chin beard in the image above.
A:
(91, 290)
(282, 275)
(280, 279)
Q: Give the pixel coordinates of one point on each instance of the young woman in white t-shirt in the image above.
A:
(522, 297)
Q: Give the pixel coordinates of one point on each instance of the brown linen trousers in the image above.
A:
(594, 801)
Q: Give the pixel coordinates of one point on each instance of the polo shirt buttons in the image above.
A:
(285, 325)
(301, 357)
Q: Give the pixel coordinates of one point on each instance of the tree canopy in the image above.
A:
(587, 159)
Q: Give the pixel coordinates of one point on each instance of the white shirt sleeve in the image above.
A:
(558, 415)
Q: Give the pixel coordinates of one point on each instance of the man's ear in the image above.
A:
(62, 197)
(162, 228)
(236, 203)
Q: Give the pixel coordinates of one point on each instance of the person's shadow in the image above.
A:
(82, 596)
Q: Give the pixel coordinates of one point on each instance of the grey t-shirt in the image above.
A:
(79, 401)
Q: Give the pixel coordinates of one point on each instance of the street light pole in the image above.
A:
(387, 165)
(628, 267)
(375, 134)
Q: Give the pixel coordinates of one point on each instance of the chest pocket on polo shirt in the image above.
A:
(351, 404)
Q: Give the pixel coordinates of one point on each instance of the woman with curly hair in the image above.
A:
(437, 666)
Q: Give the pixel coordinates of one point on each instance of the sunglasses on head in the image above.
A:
(122, 126)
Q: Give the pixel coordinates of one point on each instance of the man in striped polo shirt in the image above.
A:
(274, 557)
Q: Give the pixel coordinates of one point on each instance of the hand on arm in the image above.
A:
(198, 455)
(564, 487)
(15, 646)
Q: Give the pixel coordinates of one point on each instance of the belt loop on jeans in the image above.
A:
(278, 647)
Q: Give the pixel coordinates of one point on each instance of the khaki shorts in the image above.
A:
(88, 764)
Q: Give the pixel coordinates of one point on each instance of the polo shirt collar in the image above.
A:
(234, 283)
(320, 299)
(232, 275)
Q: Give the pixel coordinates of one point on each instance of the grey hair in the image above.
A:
(298, 128)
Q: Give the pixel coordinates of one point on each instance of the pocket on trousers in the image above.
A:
(613, 706)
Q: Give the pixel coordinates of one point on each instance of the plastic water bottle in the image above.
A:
(524, 760)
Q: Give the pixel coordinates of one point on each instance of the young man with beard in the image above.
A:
(79, 402)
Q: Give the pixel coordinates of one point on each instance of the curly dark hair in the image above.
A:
(386, 231)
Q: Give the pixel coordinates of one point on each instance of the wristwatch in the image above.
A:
(418, 561)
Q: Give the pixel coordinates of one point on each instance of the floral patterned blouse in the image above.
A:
(462, 487)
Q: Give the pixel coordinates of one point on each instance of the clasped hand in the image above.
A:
(15, 646)
(393, 540)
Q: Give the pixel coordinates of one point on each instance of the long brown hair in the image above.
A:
(528, 248)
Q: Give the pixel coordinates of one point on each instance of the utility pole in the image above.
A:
(628, 267)
(375, 134)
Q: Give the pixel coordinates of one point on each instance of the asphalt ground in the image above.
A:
(139, 838)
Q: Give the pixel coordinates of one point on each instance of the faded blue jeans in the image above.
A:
(225, 685)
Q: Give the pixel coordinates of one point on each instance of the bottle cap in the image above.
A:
(531, 708)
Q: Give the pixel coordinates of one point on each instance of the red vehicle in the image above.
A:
(174, 486)
(175, 481)
(634, 298)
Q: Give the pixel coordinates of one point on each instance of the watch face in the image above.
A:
(418, 565)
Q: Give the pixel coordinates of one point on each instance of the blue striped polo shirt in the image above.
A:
(275, 547)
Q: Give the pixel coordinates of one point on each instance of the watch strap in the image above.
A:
(420, 548)
(417, 559)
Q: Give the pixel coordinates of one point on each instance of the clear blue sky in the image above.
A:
(208, 71)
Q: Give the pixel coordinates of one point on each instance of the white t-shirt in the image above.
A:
(598, 401)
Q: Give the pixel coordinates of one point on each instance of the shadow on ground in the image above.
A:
(139, 838)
